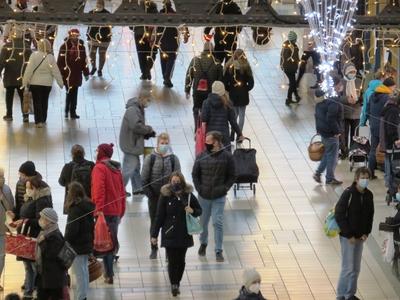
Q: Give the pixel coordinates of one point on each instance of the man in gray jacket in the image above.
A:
(131, 139)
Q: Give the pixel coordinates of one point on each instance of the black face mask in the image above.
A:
(176, 187)
(209, 147)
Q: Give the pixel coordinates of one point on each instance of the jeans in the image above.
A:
(10, 99)
(351, 265)
(102, 49)
(167, 64)
(292, 84)
(330, 158)
(81, 271)
(40, 97)
(372, 153)
(212, 208)
(176, 264)
(108, 259)
(71, 100)
(131, 170)
(2, 253)
(30, 277)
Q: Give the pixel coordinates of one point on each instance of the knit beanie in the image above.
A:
(218, 88)
(389, 82)
(250, 276)
(292, 36)
(105, 151)
(28, 169)
(49, 214)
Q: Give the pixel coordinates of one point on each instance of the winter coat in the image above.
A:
(171, 217)
(7, 203)
(351, 111)
(391, 126)
(168, 36)
(375, 107)
(290, 57)
(99, 34)
(246, 295)
(108, 191)
(153, 178)
(213, 174)
(20, 190)
(133, 129)
(13, 63)
(238, 94)
(200, 65)
(45, 73)
(79, 231)
(328, 117)
(354, 212)
(373, 84)
(219, 117)
(72, 63)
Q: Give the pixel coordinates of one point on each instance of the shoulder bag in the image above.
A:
(192, 223)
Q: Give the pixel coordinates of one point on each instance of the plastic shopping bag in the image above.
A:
(102, 237)
(388, 248)
(331, 227)
(200, 138)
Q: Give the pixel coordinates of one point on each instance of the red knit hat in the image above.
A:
(105, 151)
(74, 31)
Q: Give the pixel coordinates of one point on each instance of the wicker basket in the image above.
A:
(316, 149)
(95, 269)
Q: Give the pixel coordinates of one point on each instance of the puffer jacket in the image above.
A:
(372, 86)
(133, 129)
(213, 174)
(153, 178)
(239, 93)
(375, 107)
(290, 57)
(389, 126)
(328, 117)
(246, 295)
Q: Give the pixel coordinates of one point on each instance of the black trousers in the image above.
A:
(350, 131)
(198, 99)
(10, 98)
(146, 57)
(152, 203)
(316, 61)
(40, 97)
(71, 100)
(50, 294)
(292, 84)
(176, 264)
(168, 64)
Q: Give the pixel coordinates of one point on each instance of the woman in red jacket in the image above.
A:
(108, 193)
(72, 63)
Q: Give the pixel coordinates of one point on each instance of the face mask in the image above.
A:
(176, 187)
(350, 76)
(398, 197)
(209, 147)
(254, 288)
(163, 149)
(30, 192)
(42, 223)
(363, 183)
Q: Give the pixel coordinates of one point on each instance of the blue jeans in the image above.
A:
(330, 158)
(372, 154)
(81, 271)
(30, 277)
(131, 170)
(240, 114)
(212, 208)
(351, 265)
(108, 259)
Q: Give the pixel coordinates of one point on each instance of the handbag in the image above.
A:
(200, 138)
(67, 255)
(316, 149)
(95, 268)
(21, 245)
(193, 225)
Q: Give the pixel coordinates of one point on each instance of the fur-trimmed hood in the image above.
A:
(166, 190)
(44, 192)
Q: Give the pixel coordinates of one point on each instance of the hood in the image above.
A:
(245, 295)
(215, 100)
(112, 164)
(44, 192)
(383, 89)
(390, 105)
(166, 190)
(373, 84)
(132, 102)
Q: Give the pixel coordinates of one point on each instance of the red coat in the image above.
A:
(72, 63)
(108, 191)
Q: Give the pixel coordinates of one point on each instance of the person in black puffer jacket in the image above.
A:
(251, 286)
(79, 232)
(217, 113)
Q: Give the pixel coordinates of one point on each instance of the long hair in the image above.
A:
(238, 63)
(226, 101)
(44, 46)
(181, 177)
(76, 194)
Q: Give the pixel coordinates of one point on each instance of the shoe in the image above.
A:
(149, 77)
(93, 71)
(116, 258)
(219, 257)
(138, 192)
(334, 182)
(289, 101)
(100, 73)
(109, 280)
(388, 199)
(127, 194)
(7, 118)
(202, 250)
(23, 287)
(39, 125)
(298, 99)
(153, 254)
(175, 290)
(353, 298)
(25, 119)
(317, 177)
(66, 115)
(143, 77)
(75, 116)
(168, 83)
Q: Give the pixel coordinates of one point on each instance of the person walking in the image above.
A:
(132, 134)
(175, 202)
(79, 233)
(251, 286)
(40, 72)
(238, 80)
(72, 63)
(79, 169)
(52, 274)
(312, 53)
(213, 175)
(289, 65)
(108, 195)
(354, 213)
(99, 39)
(217, 113)
(328, 116)
(203, 70)
(156, 172)
(12, 62)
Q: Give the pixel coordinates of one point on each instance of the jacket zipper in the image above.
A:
(169, 229)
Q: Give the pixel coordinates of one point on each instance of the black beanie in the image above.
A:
(389, 82)
(28, 168)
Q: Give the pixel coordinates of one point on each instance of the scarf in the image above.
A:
(351, 90)
(41, 237)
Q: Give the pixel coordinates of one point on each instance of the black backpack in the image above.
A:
(82, 173)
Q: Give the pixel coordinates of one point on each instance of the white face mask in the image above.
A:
(254, 288)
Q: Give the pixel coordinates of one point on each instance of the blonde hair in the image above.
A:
(241, 58)
(44, 46)
(162, 136)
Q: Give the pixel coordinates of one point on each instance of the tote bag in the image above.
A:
(192, 223)
(200, 138)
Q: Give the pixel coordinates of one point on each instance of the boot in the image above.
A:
(153, 253)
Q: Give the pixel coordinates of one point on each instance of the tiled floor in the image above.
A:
(279, 231)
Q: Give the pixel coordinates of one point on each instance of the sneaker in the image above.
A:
(25, 119)
(202, 250)
(143, 77)
(39, 125)
(93, 71)
(334, 182)
(109, 280)
(7, 118)
(100, 73)
(75, 116)
(298, 99)
(353, 298)
(168, 83)
(289, 101)
(153, 254)
(175, 290)
(127, 194)
(66, 115)
(219, 257)
(317, 177)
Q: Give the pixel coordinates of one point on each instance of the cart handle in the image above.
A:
(241, 142)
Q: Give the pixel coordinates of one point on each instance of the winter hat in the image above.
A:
(49, 214)
(28, 169)
(105, 151)
(292, 36)
(389, 82)
(74, 31)
(218, 88)
(349, 72)
(250, 276)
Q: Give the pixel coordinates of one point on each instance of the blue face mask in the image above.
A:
(163, 149)
(398, 197)
(363, 183)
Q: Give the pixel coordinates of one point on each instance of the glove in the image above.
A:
(150, 135)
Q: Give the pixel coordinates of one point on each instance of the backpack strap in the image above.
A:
(152, 161)
(172, 162)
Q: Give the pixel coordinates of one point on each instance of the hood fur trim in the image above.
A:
(166, 190)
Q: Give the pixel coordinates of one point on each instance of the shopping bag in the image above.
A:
(102, 237)
(193, 225)
(27, 102)
(200, 138)
(388, 248)
(331, 227)
(21, 246)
